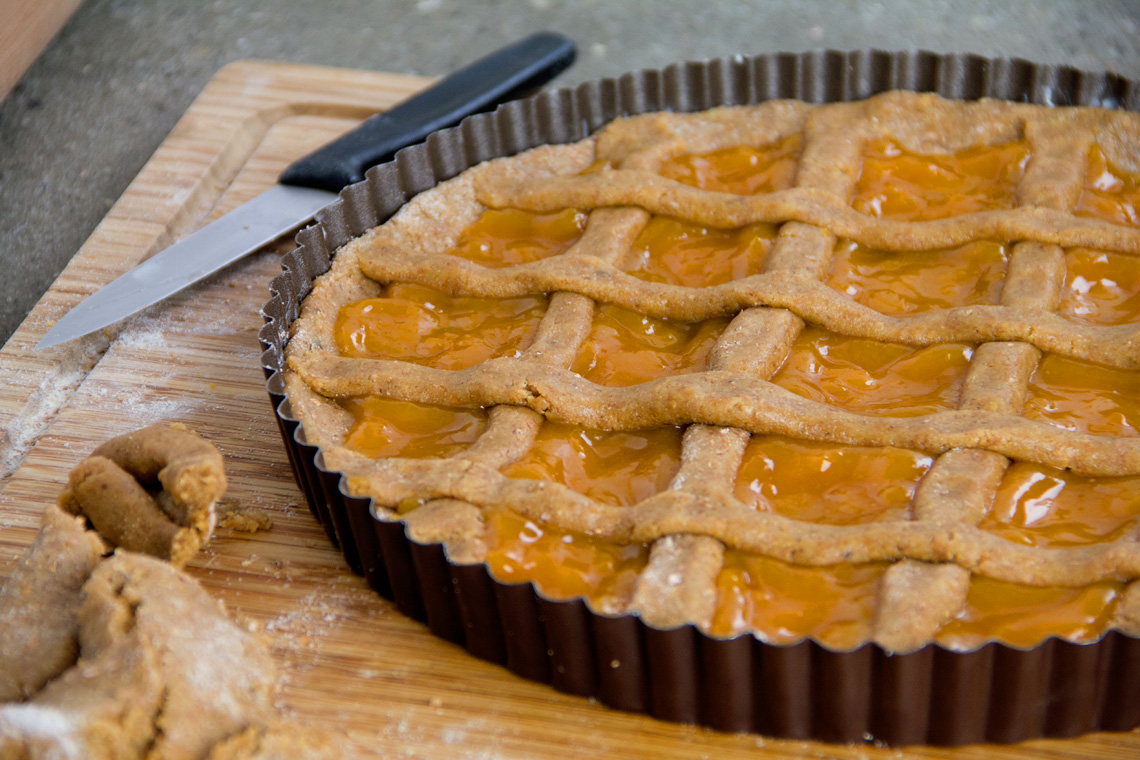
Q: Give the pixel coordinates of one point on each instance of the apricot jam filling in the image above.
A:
(505, 237)
(822, 483)
(870, 377)
(417, 324)
(1024, 616)
(618, 468)
(1041, 506)
(627, 348)
(1101, 288)
(784, 603)
(1085, 397)
(827, 483)
(563, 564)
(896, 184)
(386, 427)
(1110, 193)
(743, 170)
(910, 282)
(679, 253)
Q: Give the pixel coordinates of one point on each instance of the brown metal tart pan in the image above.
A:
(805, 691)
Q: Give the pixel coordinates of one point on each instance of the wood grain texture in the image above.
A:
(27, 28)
(350, 660)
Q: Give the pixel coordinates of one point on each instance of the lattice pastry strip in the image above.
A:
(679, 584)
(961, 485)
(690, 524)
(511, 430)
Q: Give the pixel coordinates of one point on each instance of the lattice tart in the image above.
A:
(844, 392)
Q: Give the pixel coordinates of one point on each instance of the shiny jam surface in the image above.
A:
(1101, 288)
(743, 170)
(416, 324)
(828, 483)
(1023, 616)
(618, 468)
(679, 253)
(784, 603)
(1085, 397)
(627, 348)
(909, 282)
(563, 564)
(897, 184)
(1041, 506)
(813, 482)
(505, 237)
(386, 427)
(874, 378)
(1110, 193)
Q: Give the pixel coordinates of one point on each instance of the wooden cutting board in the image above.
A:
(349, 659)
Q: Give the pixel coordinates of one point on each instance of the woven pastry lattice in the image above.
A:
(938, 545)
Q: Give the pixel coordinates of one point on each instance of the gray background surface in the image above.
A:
(104, 94)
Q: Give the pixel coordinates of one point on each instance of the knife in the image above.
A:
(312, 182)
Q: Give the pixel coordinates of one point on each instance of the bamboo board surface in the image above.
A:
(349, 659)
(29, 26)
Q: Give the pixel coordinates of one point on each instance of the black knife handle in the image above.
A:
(508, 73)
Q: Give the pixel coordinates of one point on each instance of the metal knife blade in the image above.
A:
(311, 183)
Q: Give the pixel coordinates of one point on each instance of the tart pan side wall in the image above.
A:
(804, 691)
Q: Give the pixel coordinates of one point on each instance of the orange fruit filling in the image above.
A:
(505, 237)
(897, 184)
(909, 282)
(627, 348)
(619, 468)
(784, 603)
(826, 483)
(1041, 506)
(812, 482)
(679, 253)
(870, 377)
(1024, 616)
(413, 323)
(743, 170)
(1085, 397)
(384, 427)
(563, 564)
(1110, 193)
(1101, 288)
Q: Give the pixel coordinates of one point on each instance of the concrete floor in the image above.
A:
(108, 89)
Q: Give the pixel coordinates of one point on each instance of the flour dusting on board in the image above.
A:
(300, 633)
(53, 392)
(155, 330)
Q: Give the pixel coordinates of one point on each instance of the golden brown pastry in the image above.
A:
(163, 673)
(128, 657)
(39, 605)
(280, 741)
(152, 491)
(875, 360)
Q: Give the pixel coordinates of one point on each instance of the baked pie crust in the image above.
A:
(922, 562)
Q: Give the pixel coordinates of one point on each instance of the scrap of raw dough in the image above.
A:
(162, 671)
(128, 658)
(233, 516)
(280, 741)
(151, 491)
(39, 605)
(186, 464)
(102, 709)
